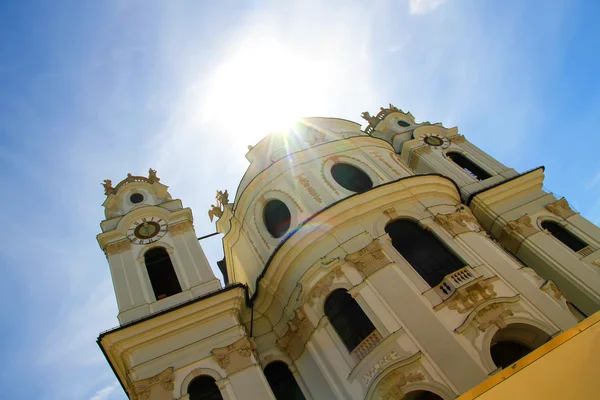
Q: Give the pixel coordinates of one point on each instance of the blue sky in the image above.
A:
(94, 90)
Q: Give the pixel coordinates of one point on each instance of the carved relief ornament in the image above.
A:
(236, 356)
(117, 248)
(180, 227)
(469, 297)
(492, 314)
(299, 331)
(390, 387)
(305, 183)
(322, 287)
(418, 152)
(516, 231)
(159, 386)
(561, 208)
(379, 366)
(369, 259)
(458, 222)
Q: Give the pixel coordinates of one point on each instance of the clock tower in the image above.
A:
(149, 240)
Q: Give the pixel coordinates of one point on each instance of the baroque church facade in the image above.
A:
(398, 261)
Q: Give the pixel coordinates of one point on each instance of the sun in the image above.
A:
(264, 84)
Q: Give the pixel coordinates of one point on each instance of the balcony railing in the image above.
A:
(586, 251)
(367, 344)
(455, 280)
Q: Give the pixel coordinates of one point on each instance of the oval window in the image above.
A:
(277, 218)
(351, 178)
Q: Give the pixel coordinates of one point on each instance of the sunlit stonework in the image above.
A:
(398, 261)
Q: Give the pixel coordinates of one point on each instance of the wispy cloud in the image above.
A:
(424, 6)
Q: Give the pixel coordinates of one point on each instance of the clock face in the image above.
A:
(147, 230)
(435, 141)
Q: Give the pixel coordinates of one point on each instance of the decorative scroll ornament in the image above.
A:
(299, 331)
(458, 222)
(390, 387)
(117, 248)
(237, 355)
(469, 297)
(561, 208)
(492, 314)
(379, 366)
(516, 231)
(217, 210)
(157, 387)
(369, 259)
(322, 287)
(305, 183)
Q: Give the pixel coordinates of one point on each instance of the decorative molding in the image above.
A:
(305, 183)
(515, 232)
(551, 289)
(117, 248)
(157, 387)
(294, 340)
(327, 180)
(336, 159)
(369, 259)
(469, 297)
(237, 355)
(390, 387)
(492, 314)
(314, 136)
(108, 189)
(379, 366)
(458, 139)
(418, 152)
(262, 198)
(458, 222)
(561, 208)
(391, 213)
(180, 227)
(259, 234)
(321, 288)
(380, 158)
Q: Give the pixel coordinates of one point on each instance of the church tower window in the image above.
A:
(347, 318)
(204, 387)
(566, 237)
(282, 382)
(277, 218)
(351, 178)
(469, 166)
(161, 273)
(423, 251)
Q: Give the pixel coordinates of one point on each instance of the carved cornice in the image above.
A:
(418, 152)
(561, 208)
(369, 259)
(458, 222)
(294, 340)
(379, 366)
(159, 386)
(117, 248)
(237, 355)
(515, 232)
(322, 287)
(180, 227)
(458, 139)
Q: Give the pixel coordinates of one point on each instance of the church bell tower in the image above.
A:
(152, 249)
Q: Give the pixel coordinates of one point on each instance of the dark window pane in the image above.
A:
(423, 251)
(469, 166)
(351, 178)
(204, 388)
(348, 319)
(161, 273)
(564, 235)
(507, 353)
(282, 382)
(421, 395)
(136, 198)
(277, 218)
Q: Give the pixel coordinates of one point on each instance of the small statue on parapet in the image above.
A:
(217, 210)
(107, 186)
(152, 176)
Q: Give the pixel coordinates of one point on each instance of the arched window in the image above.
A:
(423, 251)
(282, 382)
(566, 237)
(515, 342)
(277, 218)
(347, 318)
(161, 273)
(469, 166)
(351, 178)
(204, 387)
